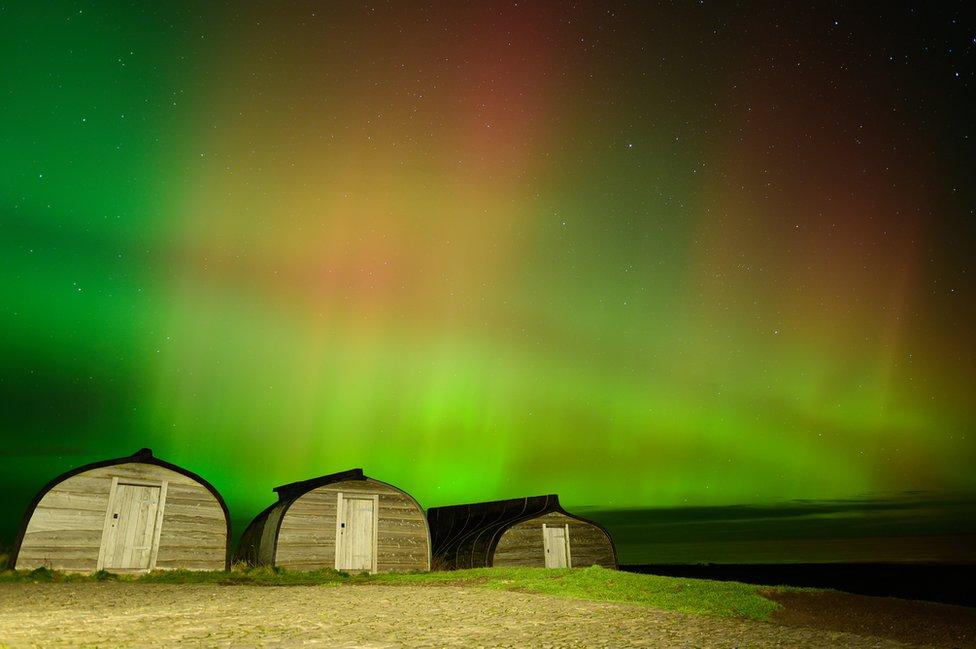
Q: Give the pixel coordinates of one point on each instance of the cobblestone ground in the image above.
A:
(149, 615)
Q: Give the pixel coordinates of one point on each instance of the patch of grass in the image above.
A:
(702, 596)
(240, 575)
(247, 576)
(43, 575)
(274, 576)
(723, 598)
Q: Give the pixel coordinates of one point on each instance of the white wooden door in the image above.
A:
(556, 546)
(128, 539)
(355, 539)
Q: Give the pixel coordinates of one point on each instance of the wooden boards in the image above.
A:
(555, 541)
(166, 519)
(129, 536)
(399, 540)
(571, 543)
(356, 526)
(510, 532)
(300, 531)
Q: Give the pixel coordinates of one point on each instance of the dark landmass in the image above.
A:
(945, 583)
(916, 623)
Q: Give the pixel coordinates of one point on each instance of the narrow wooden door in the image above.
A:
(556, 546)
(354, 545)
(128, 540)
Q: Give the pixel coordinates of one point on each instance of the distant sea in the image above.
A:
(910, 528)
(911, 545)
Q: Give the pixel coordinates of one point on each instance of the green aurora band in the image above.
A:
(482, 253)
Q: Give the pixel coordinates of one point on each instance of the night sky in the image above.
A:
(687, 265)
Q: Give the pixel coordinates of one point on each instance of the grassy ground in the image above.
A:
(718, 598)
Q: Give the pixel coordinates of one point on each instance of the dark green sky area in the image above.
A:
(704, 269)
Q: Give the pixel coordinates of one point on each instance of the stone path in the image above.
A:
(155, 615)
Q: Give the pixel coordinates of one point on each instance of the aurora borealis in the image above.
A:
(642, 256)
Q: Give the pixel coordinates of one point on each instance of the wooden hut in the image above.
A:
(130, 514)
(346, 521)
(524, 532)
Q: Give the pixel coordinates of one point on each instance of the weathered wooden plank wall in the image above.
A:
(65, 530)
(306, 539)
(522, 544)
